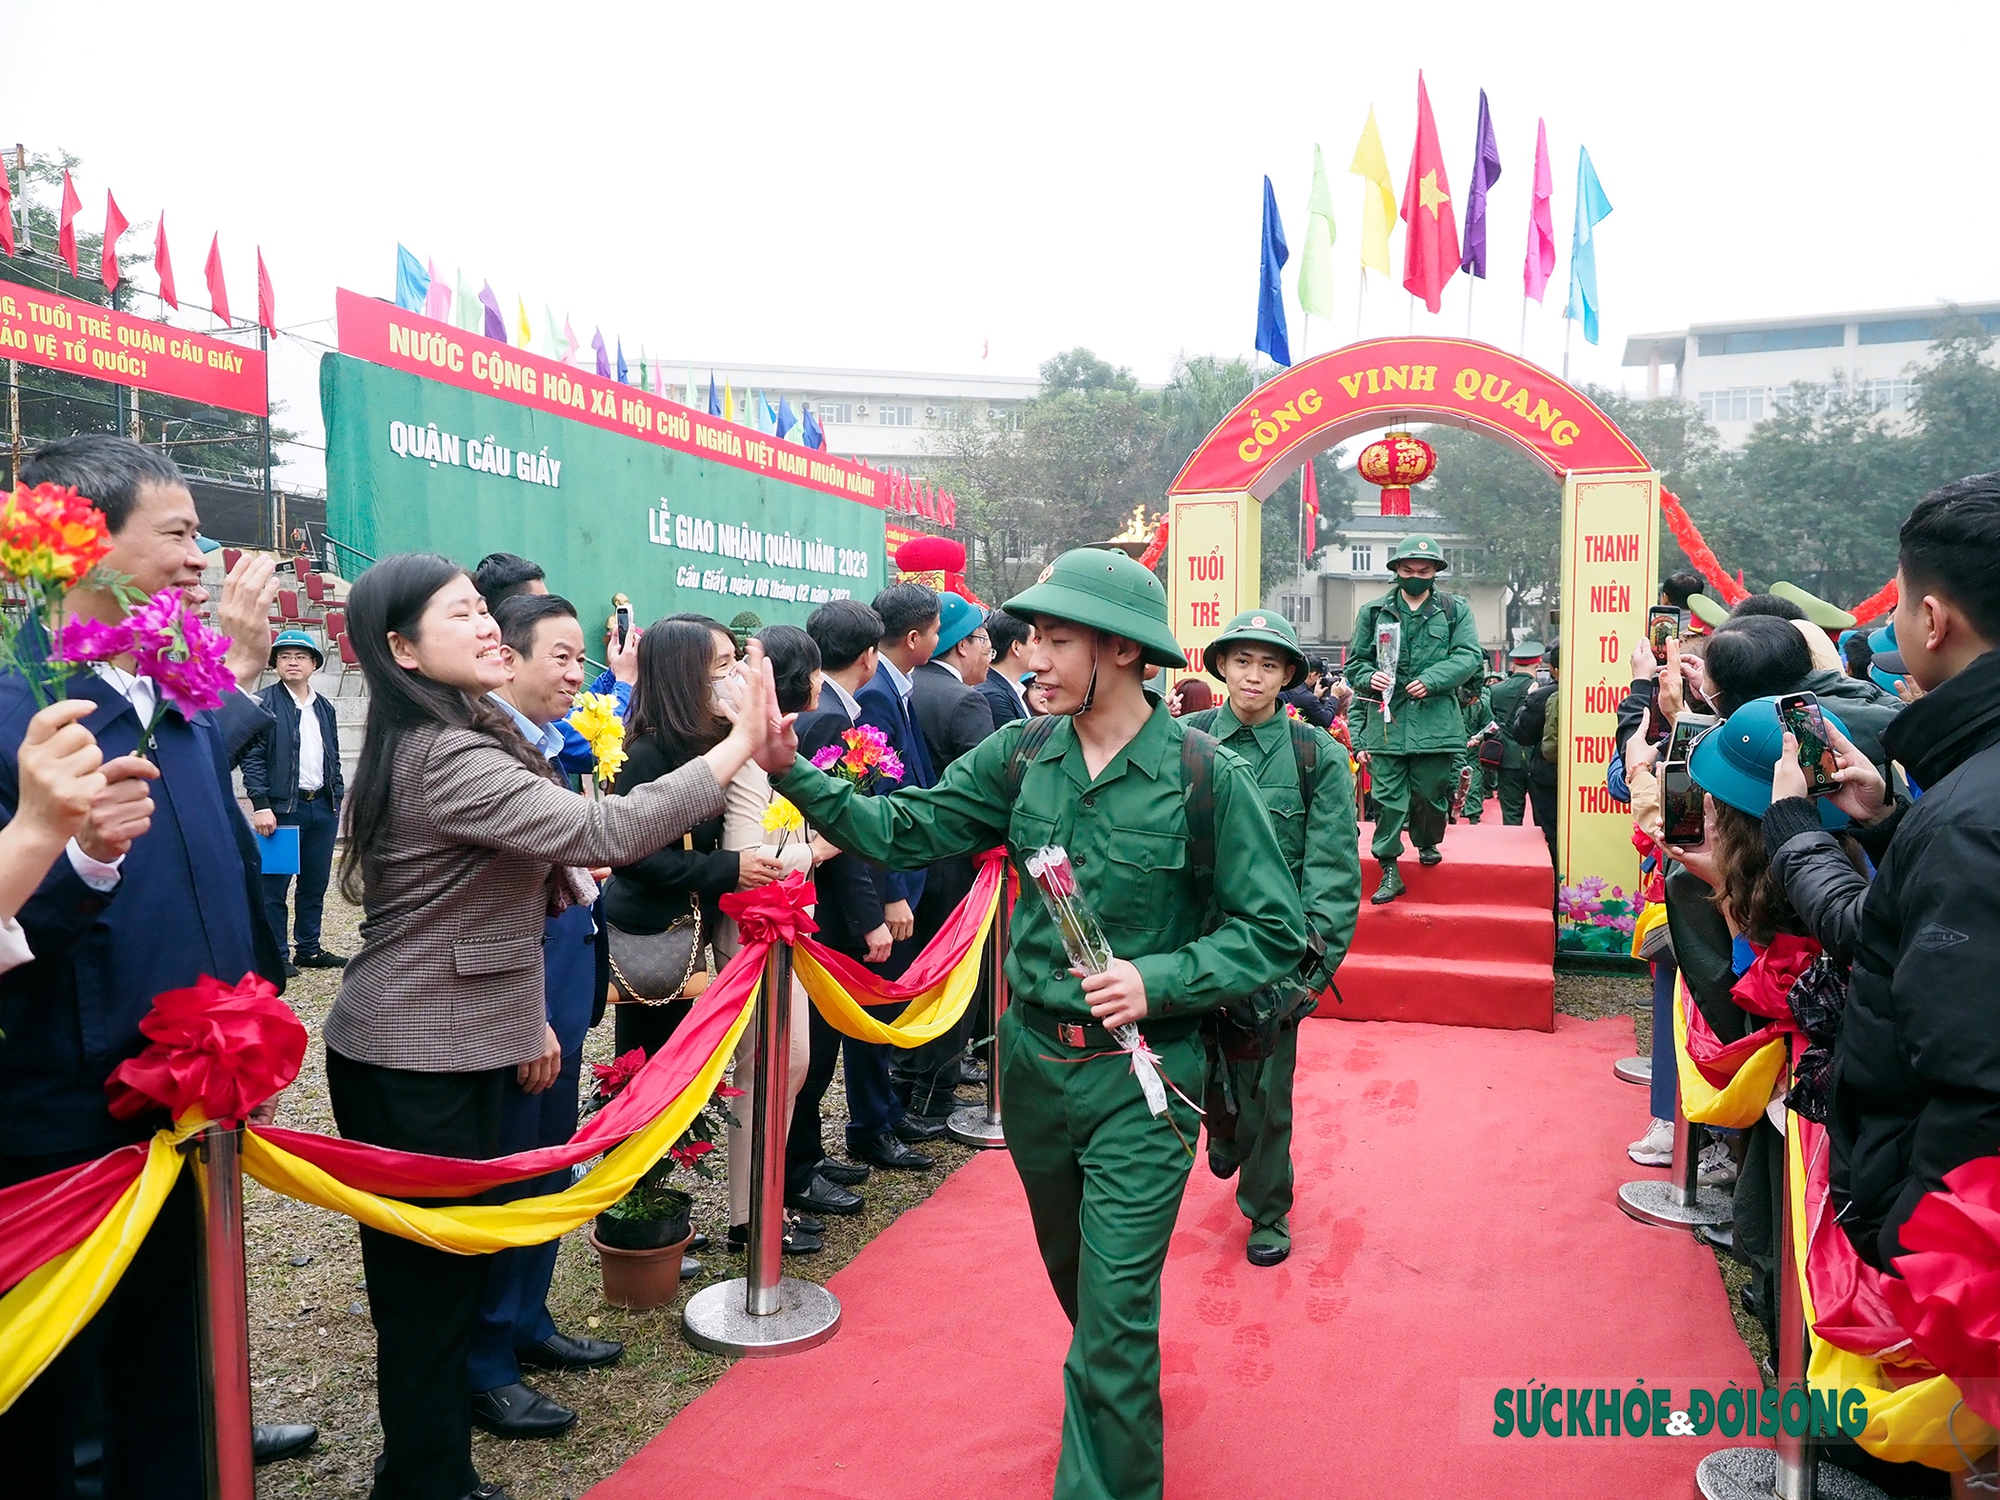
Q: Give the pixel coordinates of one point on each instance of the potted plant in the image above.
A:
(640, 1239)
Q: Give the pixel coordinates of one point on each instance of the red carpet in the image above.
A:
(1472, 943)
(1455, 1232)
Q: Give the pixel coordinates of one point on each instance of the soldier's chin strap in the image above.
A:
(1090, 693)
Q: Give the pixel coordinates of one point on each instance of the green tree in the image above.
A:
(1956, 415)
(205, 440)
(1507, 503)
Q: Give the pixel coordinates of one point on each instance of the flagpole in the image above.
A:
(1469, 280)
(1524, 320)
(1568, 324)
(1360, 292)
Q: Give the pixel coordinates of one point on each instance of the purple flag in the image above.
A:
(603, 358)
(496, 326)
(1485, 172)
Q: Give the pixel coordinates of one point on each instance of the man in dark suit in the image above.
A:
(954, 717)
(878, 1131)
(291, 774)
(1007, 636)
(849, 912)
(111, 926)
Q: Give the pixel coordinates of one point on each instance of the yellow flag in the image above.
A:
(527, 329)
(729, 403)
(1378, 196)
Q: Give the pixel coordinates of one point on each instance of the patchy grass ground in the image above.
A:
(312, 1353)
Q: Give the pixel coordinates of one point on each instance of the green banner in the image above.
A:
(413, 465)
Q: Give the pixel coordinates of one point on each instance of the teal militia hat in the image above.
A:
(957, 619)
(1886, 668)
(301, 640)
(1733, 761)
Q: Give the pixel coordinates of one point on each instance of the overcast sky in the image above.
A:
(889, 185)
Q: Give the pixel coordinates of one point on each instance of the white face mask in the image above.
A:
(727, 690)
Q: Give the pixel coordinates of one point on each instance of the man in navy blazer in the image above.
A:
(1008, 636)
(111, 928)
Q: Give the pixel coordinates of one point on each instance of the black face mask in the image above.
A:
(1414, 588)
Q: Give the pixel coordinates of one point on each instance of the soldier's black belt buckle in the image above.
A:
(1070, 1034)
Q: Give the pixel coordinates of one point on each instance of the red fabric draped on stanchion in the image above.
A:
(940, 956)
(1850, 1307)
(44, 1216)
(1949, 1295)
(1706, 563)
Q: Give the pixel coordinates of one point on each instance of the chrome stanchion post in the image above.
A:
(1681, 1202)
(765, 1311)
(223, 1310)
(979, 1124)
(1792, 1470)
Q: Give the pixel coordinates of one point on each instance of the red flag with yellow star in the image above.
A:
(1430, 245)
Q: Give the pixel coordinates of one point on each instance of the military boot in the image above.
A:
(1431, 856)
(1391, 887)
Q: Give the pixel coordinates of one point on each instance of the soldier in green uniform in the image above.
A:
(1137, 799)
(1413, 757)
(1309, 793)
(1508, 697)
(1475, 701)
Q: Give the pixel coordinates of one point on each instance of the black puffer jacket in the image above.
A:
(1917, 1067)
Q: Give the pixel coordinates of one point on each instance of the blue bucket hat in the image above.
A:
(957, 619)
(301, 640)
(1733, 761)
(1887, 668)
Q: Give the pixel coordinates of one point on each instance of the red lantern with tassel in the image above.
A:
(1396, 461)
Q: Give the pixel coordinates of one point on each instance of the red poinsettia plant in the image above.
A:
(652, 1197)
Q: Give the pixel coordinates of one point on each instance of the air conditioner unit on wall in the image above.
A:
(930, 411)
(861, 408)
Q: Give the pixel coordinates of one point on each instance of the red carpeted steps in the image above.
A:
(1472, 942)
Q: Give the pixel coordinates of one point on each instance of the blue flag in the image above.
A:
(815, 436)
(786, 421)
(413, 282)
(1485, 172)
(714, 396)
(624, 375)
(1271, 336)
(1591, 206)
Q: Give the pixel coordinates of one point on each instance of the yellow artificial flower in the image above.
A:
(782, 817)
(595, 717)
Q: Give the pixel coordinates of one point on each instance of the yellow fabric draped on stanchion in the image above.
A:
(1738, 1105)
(50, 1305)
(928, 1015)
(1914, 1424)
(479, 1229)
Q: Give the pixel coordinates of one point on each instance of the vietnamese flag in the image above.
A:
(1309, 508)
(267, 300)
(1430, 245)
(115, 224)
(163, 265)
(6, 213)
(218, 292)
(66, 229)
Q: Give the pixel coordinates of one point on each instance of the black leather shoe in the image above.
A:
(889, 1153)
(690, 1268)
(823, 1197)
(562, 1351)
(291, 970)
(520, 1411)
(485, 1492)
(1222, 1166)
(275, 1444)
(1430, 856)
(915, 1131)
(321, 960)
(972, 1072)
(846, 1173)
(1266, 1255)
(806, 1222)
(698, 1244)
(797, 1241)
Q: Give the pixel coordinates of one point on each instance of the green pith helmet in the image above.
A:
(1819, 611)
(1711, 612)
(1109, 591)
(1526, 651)
(1265, 630)
(1421, 549)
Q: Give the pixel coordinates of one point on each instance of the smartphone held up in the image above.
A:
(1800, 715)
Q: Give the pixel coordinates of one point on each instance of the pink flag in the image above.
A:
(437, 302)
(569, 339)
(1541, 261)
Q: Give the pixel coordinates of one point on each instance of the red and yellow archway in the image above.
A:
(1610, 534)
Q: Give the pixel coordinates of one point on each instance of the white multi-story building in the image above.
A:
(1739, 373)
(879, 415)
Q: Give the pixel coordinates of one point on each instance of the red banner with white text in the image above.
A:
(83, 338)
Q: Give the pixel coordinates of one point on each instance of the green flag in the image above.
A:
(471, 314)
(557, 349)
(1316, 261)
